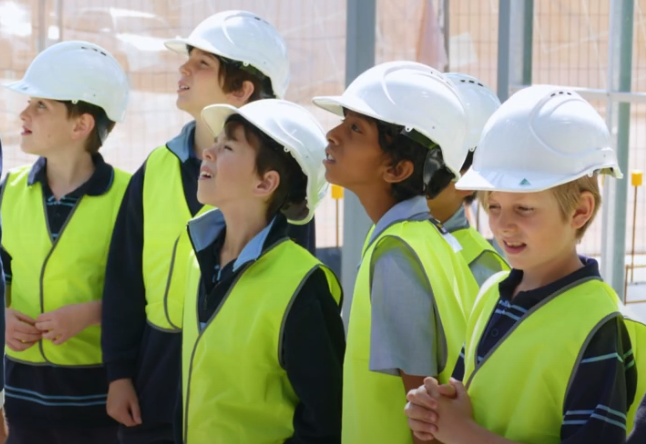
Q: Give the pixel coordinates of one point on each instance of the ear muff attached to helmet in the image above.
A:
(436, 174)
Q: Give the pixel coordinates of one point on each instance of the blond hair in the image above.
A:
(568, 196)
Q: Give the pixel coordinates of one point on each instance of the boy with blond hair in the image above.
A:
(548, 356)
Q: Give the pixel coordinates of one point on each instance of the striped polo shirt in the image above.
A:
(603, 386)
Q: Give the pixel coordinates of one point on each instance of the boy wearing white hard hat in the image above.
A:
(234, 57)
(263, 340)
(448, 207)
(58, 215)
(403, 129)
(548, 354)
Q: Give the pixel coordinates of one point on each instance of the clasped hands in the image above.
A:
(439, 412)
(58, 326)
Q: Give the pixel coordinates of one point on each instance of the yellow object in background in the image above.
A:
(636, 178)
(337, 192)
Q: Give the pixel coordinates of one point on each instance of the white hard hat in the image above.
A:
(77, 71)
(293, 127)
(412, 95)
(542, 137)
(244, 37)
(479, 102)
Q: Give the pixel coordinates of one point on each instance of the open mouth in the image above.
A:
(182, 88)
(205, 175)
(514, 247)
(328, 157)
(25, 131)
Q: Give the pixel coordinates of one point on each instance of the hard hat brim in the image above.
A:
(216, 116)
(517, 181)
(336, 104)
(180, 46)
(27, 89)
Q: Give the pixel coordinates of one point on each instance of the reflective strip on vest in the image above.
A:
(49, 274)
(234, 386)
(373, 403)
(519, 388)
(166, 246)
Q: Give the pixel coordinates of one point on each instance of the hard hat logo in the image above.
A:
(525, 182)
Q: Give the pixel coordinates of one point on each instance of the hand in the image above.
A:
(421, 407)
(452, 416)
(20, 330)
(66, 322)
(123, 405)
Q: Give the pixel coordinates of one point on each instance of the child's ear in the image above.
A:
(83, 126)
(241, 96)
(267, 184)
(584, 210)
(400, 172)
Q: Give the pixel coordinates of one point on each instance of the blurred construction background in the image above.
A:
(598, 46)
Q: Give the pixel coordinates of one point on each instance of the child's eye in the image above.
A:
(41, 104)
(492, 207)
(525, 209)
(227, 147)
(355, 128)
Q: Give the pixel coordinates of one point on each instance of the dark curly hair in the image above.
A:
(401, 145)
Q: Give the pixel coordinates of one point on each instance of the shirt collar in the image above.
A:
(458, 221)
(182, 145)
(99, 183)
(590, 270)
(206, 229)
(414, 209)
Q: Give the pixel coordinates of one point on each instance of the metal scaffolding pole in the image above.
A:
(515, 39)
(615, 192)
(359, 56)
(41, 43)
(504, 48)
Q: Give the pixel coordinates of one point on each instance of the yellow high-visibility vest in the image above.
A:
(52, 273)
(235, 389)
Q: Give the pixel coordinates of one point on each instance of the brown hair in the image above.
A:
(102, 124)
(271, 156)
(567, 196)
(233, 73)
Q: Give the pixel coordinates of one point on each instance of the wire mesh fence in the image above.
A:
(134, 32)
(570, 46)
